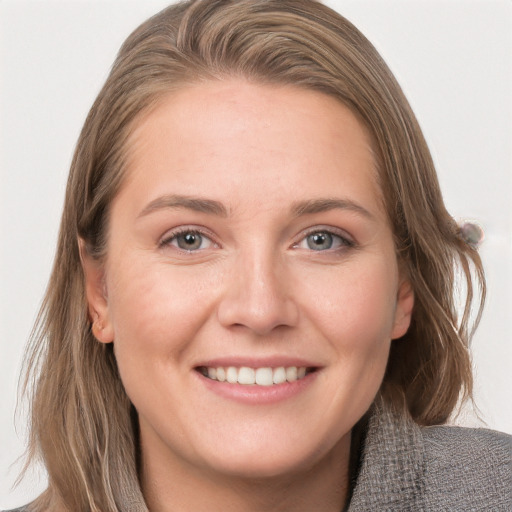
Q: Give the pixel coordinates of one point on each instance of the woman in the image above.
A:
(253, 293)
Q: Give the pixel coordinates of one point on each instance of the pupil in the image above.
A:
(189, 241)
(320, 241)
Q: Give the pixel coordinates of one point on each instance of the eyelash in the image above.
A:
(344, 241)
(174, 235)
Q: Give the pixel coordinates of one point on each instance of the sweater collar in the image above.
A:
(391, 466)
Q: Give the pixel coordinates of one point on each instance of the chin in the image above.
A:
(262, 467)
(274, 460)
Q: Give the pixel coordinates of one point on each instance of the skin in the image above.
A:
(254, 288)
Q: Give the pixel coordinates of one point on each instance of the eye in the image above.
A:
(324, 240)
(188, 240)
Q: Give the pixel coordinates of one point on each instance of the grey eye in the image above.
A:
(189, 241)
(320, 241)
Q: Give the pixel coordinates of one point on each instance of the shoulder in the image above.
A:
(25, 508)
(468, 442)
(468, 467)
(404, 467)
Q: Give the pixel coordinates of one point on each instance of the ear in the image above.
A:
(403, 310)
(96, 293)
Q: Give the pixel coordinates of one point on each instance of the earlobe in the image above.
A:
(96, 294)
(403, 311)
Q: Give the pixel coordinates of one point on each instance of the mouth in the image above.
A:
(263, 376)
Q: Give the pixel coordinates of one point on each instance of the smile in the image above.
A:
(247, 376)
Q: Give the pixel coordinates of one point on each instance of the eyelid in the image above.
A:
(348, 240)
(171, 234)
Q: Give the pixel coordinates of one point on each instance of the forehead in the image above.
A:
(228, 133)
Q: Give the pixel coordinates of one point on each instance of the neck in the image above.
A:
(322, 487)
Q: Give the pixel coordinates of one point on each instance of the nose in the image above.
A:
(258, 296)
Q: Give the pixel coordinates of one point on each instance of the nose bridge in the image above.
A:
(257, 294)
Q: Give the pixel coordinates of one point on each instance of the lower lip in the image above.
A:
(258, 395)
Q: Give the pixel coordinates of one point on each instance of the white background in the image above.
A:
(453, 59)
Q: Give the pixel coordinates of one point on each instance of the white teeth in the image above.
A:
(221, 374)
(246, 376)
(291, 374)
(265, 376)
(232, 375)
(280, 375)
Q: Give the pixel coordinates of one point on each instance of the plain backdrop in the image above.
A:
(453, 59)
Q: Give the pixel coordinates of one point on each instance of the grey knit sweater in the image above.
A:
(406, 468)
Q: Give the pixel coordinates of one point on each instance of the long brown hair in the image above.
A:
(83, 425)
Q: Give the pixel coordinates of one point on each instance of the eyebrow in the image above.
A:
(324, 205)
(213, 207)
(173, 201)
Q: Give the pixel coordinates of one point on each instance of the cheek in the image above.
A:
(355, 306)
(354, 311)
(156, 310)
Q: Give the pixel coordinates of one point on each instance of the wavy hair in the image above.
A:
(83, 425)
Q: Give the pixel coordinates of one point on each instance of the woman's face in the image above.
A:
(251, 287)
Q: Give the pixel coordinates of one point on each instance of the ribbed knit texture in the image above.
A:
(408, 468)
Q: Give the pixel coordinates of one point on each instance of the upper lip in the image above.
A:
(257, 362)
